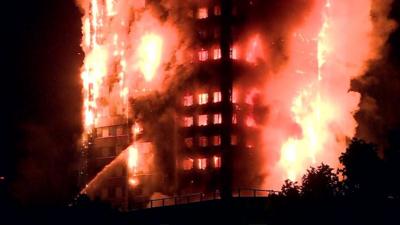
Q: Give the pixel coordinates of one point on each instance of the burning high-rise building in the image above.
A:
(198, 96)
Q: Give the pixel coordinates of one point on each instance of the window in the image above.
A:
(118, 192)
(217, 53)
(217, 97)
(104, 193)
(234, 140)
(188, 100)
(107, 151)
(188, 164)
(249, 143)
(202, 120)
(234, 96)
(234, 118)
(233, 54)
(202, 163)
(190, 14)
(99, 132)
(202, 13)
(217, 118)
(118, 149)
(217, 10)
(217, 140)
(203, 98)
(217, 33)
(250, 121)
(119, 171)
(202, 33)
(188, 121)
(189, 142)
(217, 161)
(112, 131)
(203, 55)
(120, 130)
(203, 141)
(105, 132)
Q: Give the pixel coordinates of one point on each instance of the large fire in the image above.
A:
(314, 88)
(125, 47)
(310, 105)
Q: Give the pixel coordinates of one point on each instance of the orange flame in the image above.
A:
(319, 117)
(149, 54)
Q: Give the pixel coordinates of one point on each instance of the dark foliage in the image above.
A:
(363, 169)
(320, 183)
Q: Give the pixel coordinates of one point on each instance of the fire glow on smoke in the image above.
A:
(311, 110)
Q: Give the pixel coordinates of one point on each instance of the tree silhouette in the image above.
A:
(320, 183)
(290, 189)
(363, 169)
(392, 163)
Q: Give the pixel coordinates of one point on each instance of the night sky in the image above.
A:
(41, 99)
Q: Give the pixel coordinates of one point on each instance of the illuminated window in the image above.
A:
(217, 53)
(234, 118)
(203, 98)
(217, 140)
(99, 132)
(203, 141)
(105, 132)
(234, 96)
(189, 142)
(250, 121)
(217, 118)
(188, 164)
(217, 97)
(217, 10)
(203, 55)
(120, 130)
(188, 100)
(188, 121)
(202, 120)
(233, 54)
(202, 13)
(234, 140)
(217, 161)
(202, 163)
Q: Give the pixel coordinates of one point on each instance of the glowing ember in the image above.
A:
(133, 181)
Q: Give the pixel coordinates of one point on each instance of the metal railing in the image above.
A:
(252, 192)
(200, 197)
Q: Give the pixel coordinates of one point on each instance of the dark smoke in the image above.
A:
(379, 115)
